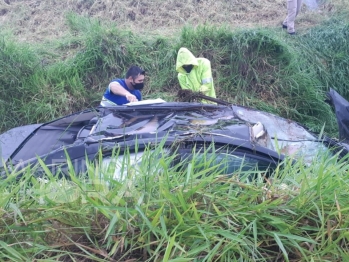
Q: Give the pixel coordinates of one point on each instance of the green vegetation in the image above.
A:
(254, 67)
(165, 213)
(157, 212)
(329, 45)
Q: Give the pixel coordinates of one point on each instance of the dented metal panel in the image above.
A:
(286, 136)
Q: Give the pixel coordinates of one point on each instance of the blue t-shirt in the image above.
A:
(121, 100)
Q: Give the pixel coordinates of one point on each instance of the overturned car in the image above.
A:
(243, 138)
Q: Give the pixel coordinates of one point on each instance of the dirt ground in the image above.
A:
(44, 20)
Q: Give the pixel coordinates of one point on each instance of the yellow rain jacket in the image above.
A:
(200, 77)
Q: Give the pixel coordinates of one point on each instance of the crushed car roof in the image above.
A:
(88, 131)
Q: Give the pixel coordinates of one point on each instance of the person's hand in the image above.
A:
(131, 98)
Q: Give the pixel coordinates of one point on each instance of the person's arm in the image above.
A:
(206, 80)
(117, 89)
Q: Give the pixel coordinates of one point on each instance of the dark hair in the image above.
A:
(134, 71)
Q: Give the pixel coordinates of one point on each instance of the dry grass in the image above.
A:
(44, 20)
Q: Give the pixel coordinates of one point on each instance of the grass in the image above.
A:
(330, 45)
(157, 212)
(252, 67)
(162, 213)
(254, 62)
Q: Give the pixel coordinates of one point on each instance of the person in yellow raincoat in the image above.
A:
(194, 73)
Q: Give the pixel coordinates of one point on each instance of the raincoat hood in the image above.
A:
(185, 57)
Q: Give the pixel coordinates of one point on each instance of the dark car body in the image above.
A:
(241, 132)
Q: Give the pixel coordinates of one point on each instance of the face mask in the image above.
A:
(188, 68)
(138, 86)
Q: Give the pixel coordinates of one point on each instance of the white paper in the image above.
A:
(146, 102)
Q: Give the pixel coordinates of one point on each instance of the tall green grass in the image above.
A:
(257, 67)
(326, 47)
(160, 212)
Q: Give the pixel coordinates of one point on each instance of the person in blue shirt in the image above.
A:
(123, 91)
